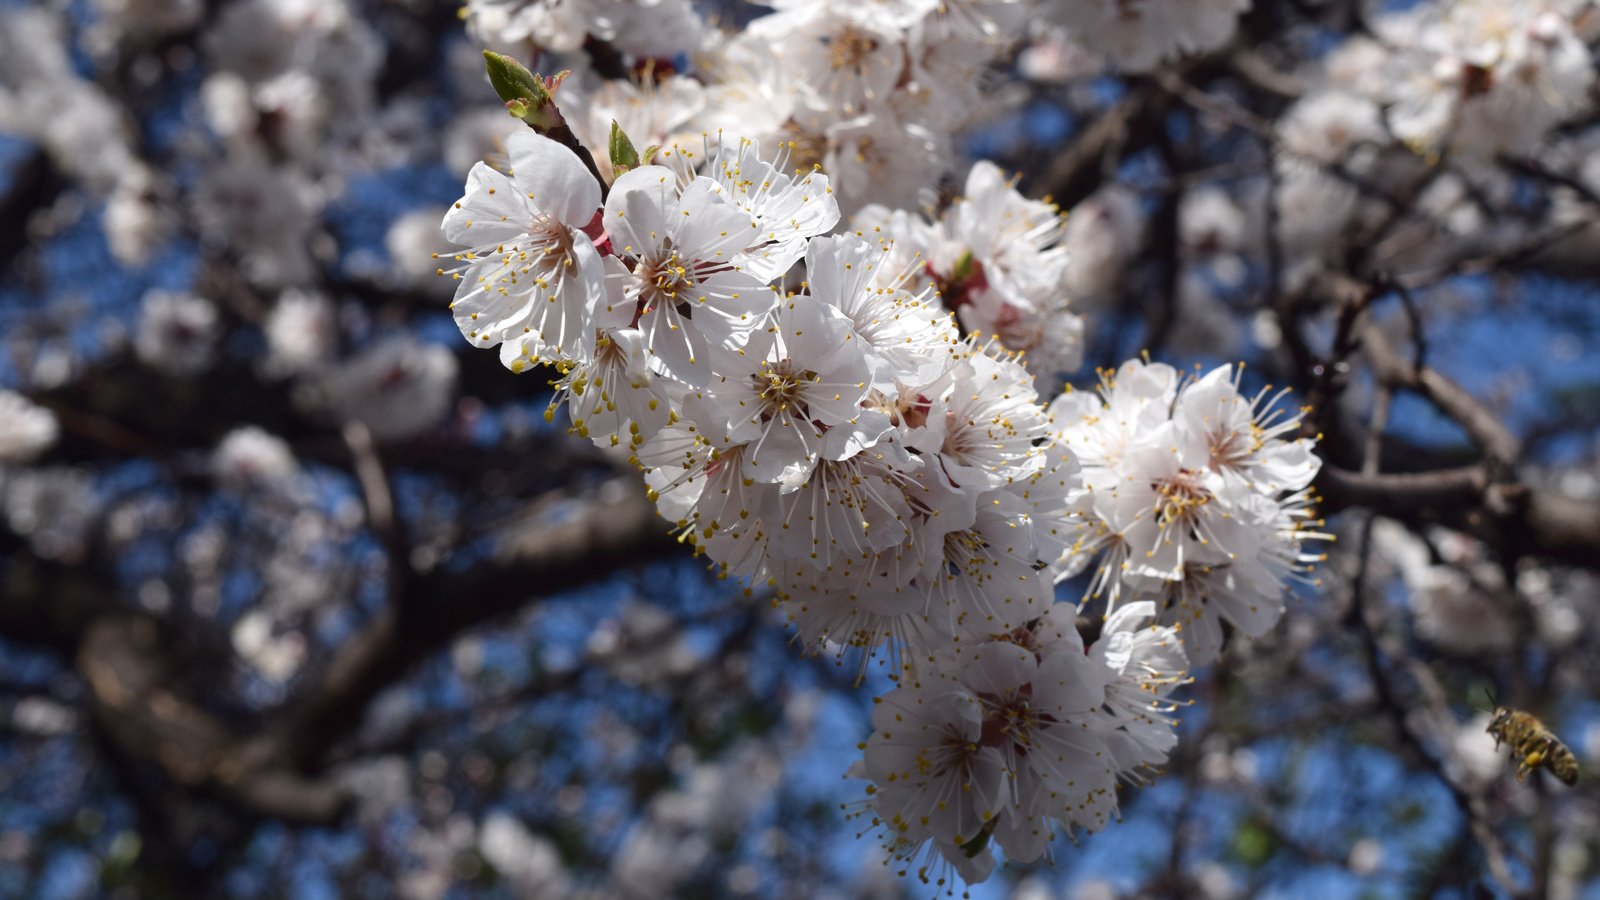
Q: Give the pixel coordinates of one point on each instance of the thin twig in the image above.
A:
(1471, 805)
(379, 499)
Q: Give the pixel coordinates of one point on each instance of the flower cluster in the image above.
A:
(1136, 35)
(831, 348)
(1470, 82)
(1478, 77)
(651, 27)
(1021, 733)
(1192, 498)
(900, 488)
(999, 261)
(871, 91)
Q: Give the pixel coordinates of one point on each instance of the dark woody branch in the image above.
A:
(1515, 518)
(528, 559)
(141, 705)
(1487, 498)
(1082, 167)
(1477, 420)
(135, 703)
(135, 698)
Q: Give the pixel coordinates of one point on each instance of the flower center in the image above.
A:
(665, 279)
(1230, 449)
(850, 47)
(1009, 719)
(806, 147)
(393, 378)
(965, 278)
(1475, 80)
(1178, 498)
(554, 236)
(953, 754)
(782, 390)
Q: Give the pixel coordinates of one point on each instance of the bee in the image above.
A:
(1532, 744)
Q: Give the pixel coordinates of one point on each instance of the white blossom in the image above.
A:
(53, 508)
(1146, 662)
(122, 20)
(614, 395)
(1000, 262)
(262, 213)
(682, 248)
(528, 861)
(1477, 78)
(177, 332)
(137, 219)
(274, 653)
(556, 25)
(846, 55)
(1103, 233)
(787, 211)
(30, 429)
(412, 242)
(42, 98)
(650, 28)
(398, 387)
(651, 113)
(1024, 735)
(531, 281)
(905, 493)
(1193, 497)
(751, 92)
(302, 332)
(1139, 34)
(876, 158)
(795, 389)
(911, 338)
(250, 457)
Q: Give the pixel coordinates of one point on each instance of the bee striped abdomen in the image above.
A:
(1533, 745)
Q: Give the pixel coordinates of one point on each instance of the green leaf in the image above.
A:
(623, 156)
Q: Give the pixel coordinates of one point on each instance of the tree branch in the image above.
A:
(129, 677)
(1480, 423)
(1470, 803)
(35, 184)
(537, 557)
(1077, 171)
(134, 684)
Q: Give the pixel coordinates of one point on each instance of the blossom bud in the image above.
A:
(527, 96)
